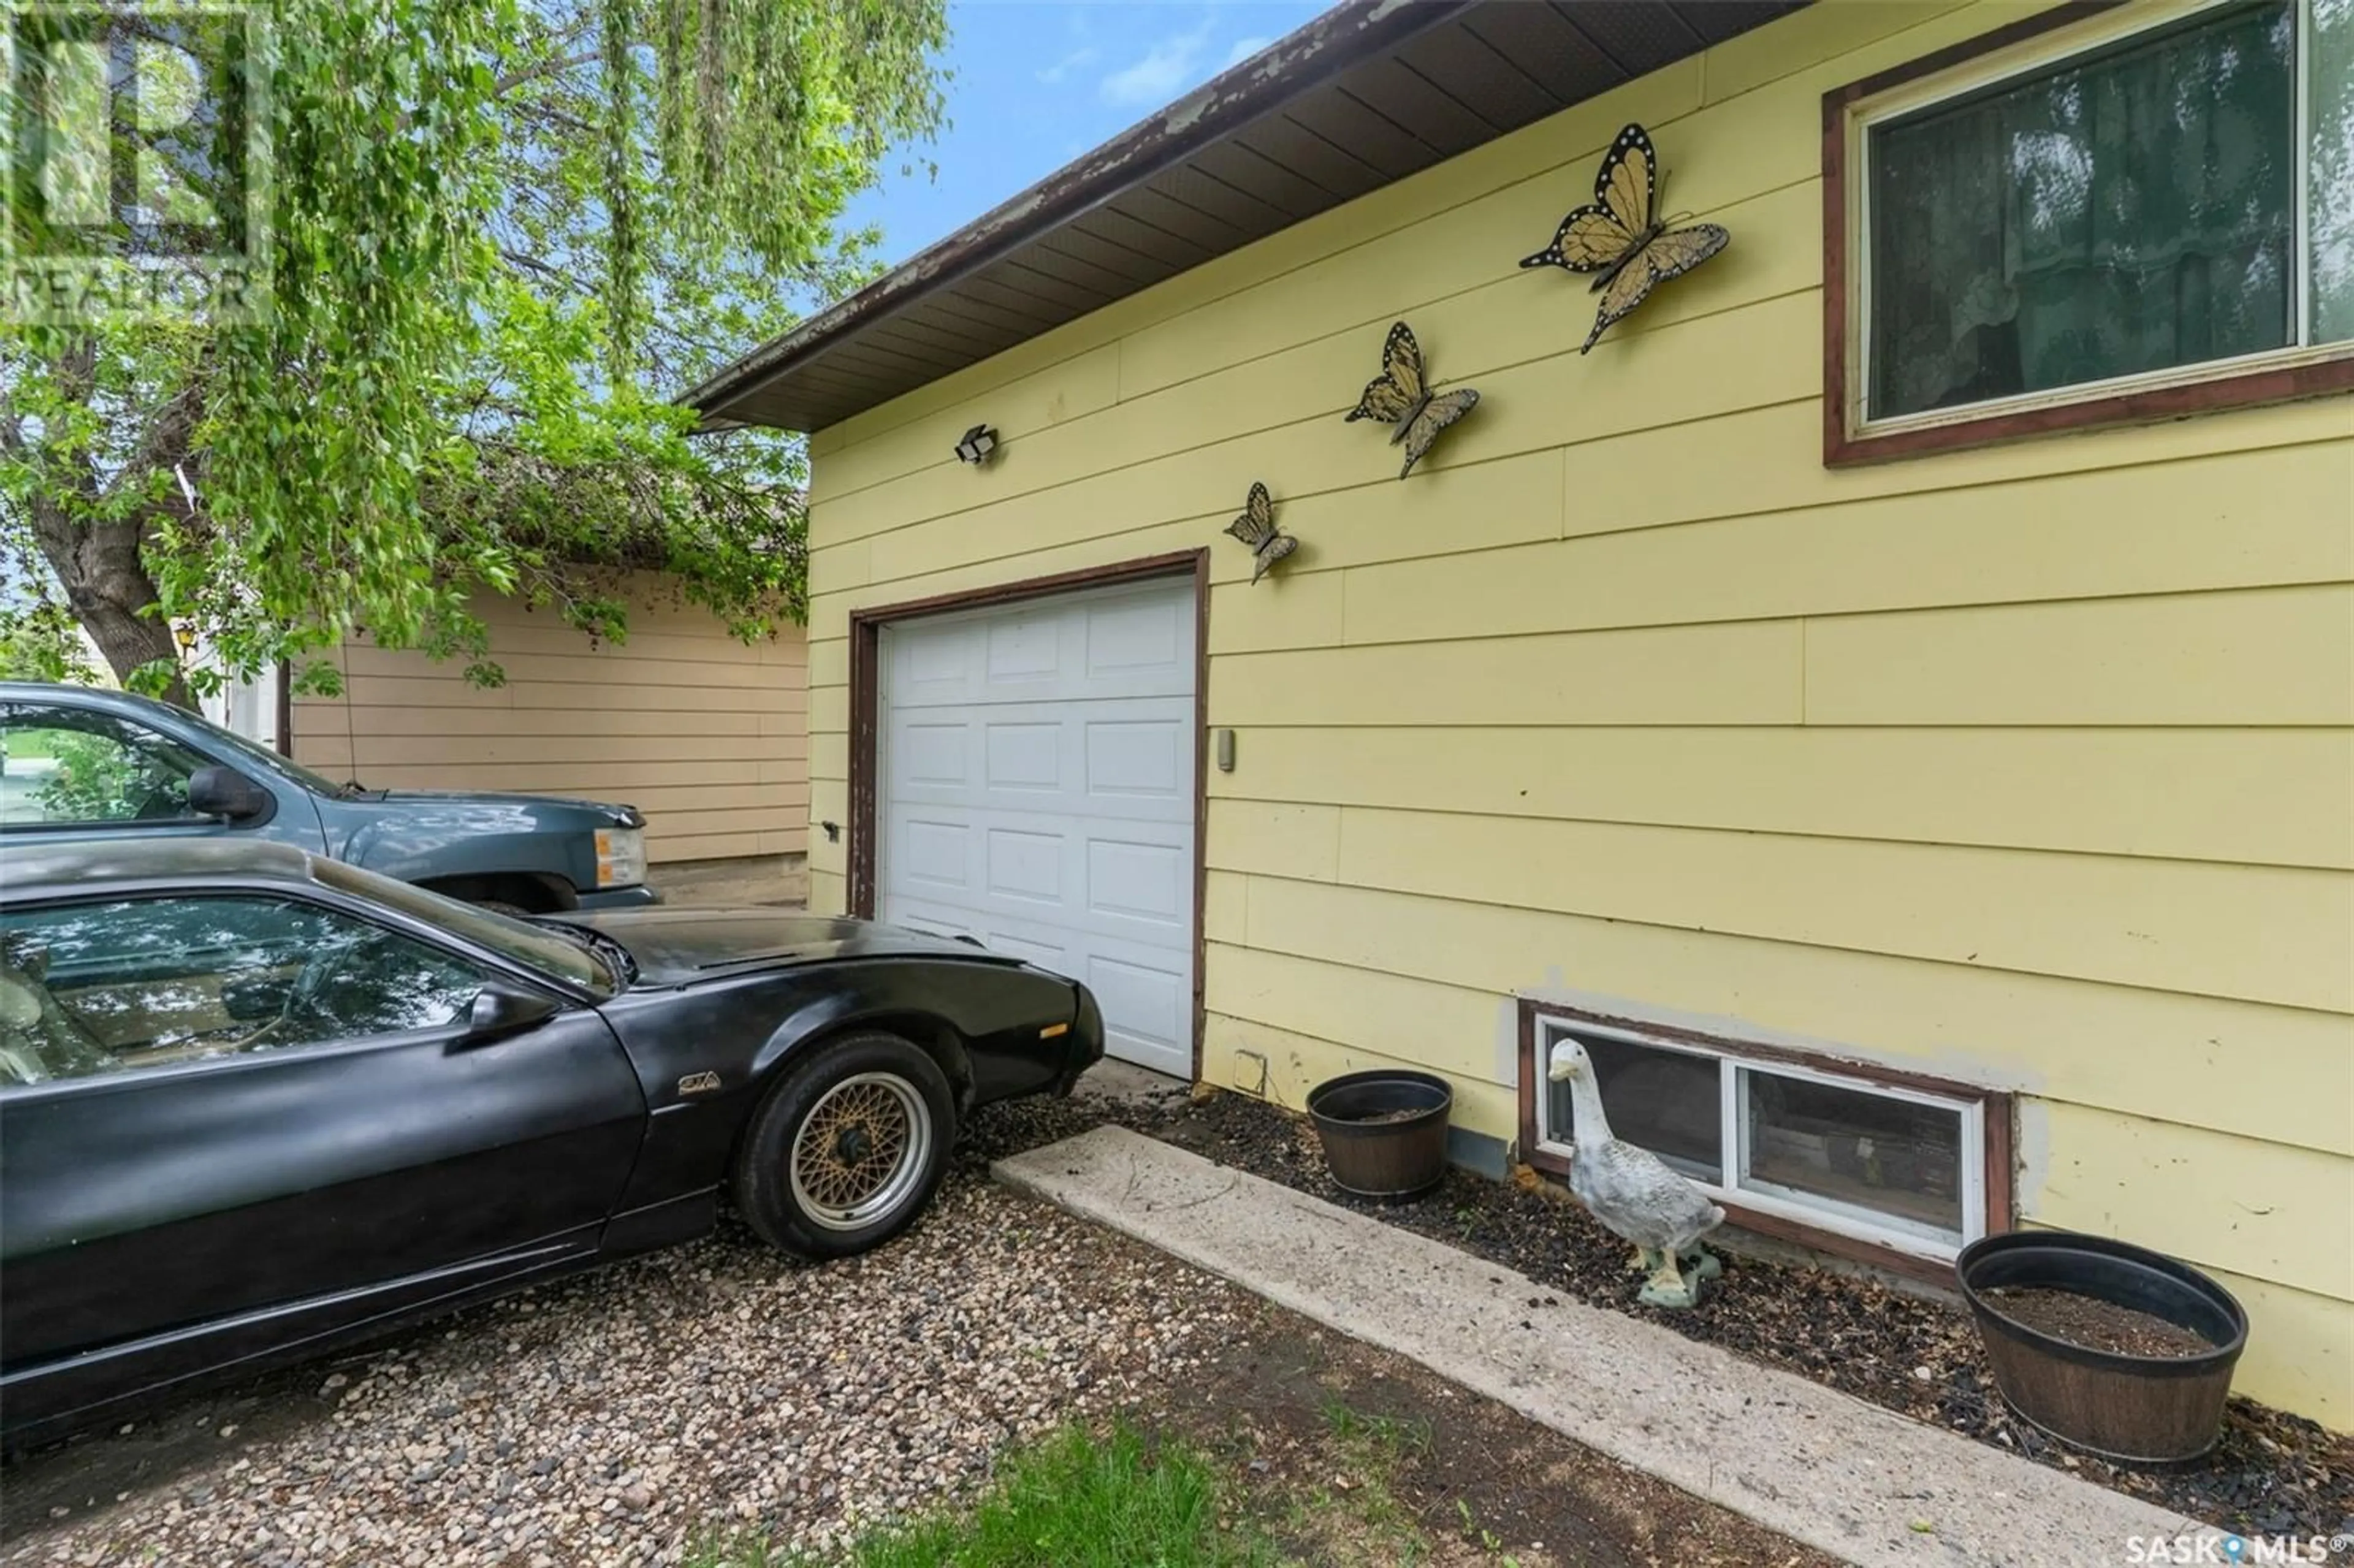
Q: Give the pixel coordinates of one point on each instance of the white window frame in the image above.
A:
(2028, 58)
(1829, 1214)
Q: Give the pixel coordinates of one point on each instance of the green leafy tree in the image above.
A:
(501, 233)
(40, 642)
(93, 780)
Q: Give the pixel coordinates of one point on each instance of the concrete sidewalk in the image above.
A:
(1859, 1482)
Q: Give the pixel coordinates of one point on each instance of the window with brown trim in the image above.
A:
(1851, 1158)
(2105, 215)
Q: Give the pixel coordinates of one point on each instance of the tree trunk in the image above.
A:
(107, 587)
(97, 564)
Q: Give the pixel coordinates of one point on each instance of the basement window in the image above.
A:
(1836, 1155)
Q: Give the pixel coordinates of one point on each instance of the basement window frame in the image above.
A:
(1823, 1224)
(2040, 45)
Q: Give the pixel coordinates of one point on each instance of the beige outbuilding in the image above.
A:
(708, 736)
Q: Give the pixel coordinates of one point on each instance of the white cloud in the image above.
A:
(1244, 48)
(1077, 60)
(1166, 70)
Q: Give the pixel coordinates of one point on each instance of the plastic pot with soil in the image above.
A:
(2122, 1351)
(1385, 1132)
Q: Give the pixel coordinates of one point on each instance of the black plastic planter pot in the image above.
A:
(2150, 1410)
(1385, 1132)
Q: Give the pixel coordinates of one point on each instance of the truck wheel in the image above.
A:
(847, 1149)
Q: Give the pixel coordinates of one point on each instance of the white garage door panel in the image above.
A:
(1124, 643)
(1149, 992)
(1128, 879)
(1146, 989)
(1106, 757)
(1038, 794)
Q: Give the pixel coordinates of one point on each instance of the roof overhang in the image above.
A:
(1369, 92)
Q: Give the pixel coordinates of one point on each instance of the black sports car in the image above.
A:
(254, 1103)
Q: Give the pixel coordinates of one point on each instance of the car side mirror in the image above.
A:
(500, 1010)
(218, 791)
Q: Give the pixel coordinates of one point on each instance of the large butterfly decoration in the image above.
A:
(1622, 237)
(1401, 398)
(1255, 527)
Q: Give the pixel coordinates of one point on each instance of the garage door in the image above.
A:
(1037, 793)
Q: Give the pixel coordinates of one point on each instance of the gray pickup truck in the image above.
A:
(76, 763)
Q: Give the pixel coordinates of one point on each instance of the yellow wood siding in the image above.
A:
(708, 736)
(2032, 766)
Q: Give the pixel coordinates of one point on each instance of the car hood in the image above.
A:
(603, 812)
(677, 946)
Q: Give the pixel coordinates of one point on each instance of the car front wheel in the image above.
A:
(847, 1149)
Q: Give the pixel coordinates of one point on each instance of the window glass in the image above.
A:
(1665, 1101)
(64, 766)
(2132, 211)
(1843, 1156)
(1896, 1158)
(2330, 93)
(104, 987)
(228, 740)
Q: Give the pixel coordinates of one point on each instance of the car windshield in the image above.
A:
(254, 751)
(520, 941)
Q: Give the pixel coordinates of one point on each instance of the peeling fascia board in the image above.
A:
(1350, 33)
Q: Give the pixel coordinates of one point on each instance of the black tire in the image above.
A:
(843, 1198)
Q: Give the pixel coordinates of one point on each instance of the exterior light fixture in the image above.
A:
(184, 634)
(976, 446)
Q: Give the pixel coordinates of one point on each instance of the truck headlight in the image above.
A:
(621, 857)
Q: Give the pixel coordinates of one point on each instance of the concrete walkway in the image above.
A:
(1859, 1482)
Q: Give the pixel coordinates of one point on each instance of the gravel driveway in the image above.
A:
(614, 1418)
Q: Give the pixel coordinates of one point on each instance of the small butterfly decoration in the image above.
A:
(1255, 527)
(1402, 398)
(1622, 237)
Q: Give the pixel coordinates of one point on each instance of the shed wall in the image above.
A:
(708, 736)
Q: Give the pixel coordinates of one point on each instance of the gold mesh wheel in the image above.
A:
(861, 1152)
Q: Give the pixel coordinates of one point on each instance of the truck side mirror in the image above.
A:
(225, 792)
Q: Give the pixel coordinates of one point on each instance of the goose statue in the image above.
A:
(1634, 1193)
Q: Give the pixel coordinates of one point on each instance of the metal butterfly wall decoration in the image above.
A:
(1621, 236)
(1255, 527)
(1401, 397)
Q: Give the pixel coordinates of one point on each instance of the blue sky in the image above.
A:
(1038, 82)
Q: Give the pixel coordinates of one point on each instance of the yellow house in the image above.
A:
(1892, 699)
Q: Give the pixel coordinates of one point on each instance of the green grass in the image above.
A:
(1390, 1435)
(744, 1551)
(1074, 1500)
(27, 744)
(1364, 1520)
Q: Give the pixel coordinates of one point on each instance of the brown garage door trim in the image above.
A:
(866, 683)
